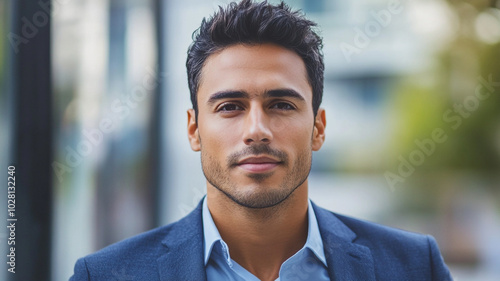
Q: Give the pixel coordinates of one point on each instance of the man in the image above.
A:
(255, 74)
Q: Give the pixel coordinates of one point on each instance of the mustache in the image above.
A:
(256, 150)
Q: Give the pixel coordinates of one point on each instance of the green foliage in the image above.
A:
(473, 137)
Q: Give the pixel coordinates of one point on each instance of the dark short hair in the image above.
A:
(257, 23)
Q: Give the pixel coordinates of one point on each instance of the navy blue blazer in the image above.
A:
(354, 250)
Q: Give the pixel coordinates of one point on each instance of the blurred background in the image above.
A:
(93, 100)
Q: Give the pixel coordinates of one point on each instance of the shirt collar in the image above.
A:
(211, 234)
(314, 241)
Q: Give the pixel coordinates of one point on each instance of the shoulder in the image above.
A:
(384, 236)
(366, 232)
(135, 257)
(394, 246)
(115, 261)
(394, 251)
(147, 242)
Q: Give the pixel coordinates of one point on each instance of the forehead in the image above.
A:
(254, 69)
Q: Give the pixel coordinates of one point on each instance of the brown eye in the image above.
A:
(283, 106)
(230, 107)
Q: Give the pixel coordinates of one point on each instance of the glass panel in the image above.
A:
(105, 79)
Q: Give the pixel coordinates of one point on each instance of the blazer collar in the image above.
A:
(183, 258)
(346, 260)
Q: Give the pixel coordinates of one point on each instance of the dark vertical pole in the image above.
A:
(31, 150)
(156, 124)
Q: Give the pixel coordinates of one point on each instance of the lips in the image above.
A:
(258, 164)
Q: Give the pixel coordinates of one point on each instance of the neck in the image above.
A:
(260, 240)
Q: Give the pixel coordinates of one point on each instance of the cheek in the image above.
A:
(279, 125)
(217, 136)
(296, 131)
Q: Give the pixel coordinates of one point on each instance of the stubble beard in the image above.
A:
(267, 196)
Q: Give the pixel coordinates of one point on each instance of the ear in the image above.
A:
(193, 134)
(318, 137)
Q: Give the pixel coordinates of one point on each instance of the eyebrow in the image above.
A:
(280, 93)
(277, 93)
(227, 95)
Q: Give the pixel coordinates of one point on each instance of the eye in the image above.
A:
(229, 107)
(283, 106)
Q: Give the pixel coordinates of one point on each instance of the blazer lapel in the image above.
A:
(183, 259)
(346, 260)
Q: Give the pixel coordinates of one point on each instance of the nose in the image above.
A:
(257, 129)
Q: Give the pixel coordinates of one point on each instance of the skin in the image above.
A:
(256, 131)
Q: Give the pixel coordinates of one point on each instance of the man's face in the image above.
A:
(256, 129)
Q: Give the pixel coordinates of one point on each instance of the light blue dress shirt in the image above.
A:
(308, 263)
